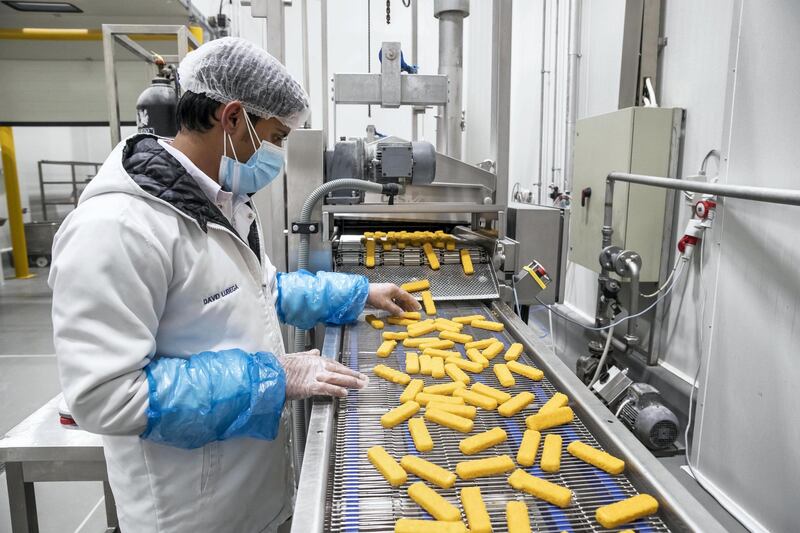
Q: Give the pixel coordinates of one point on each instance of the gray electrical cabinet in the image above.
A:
(639, 140)
(540, 231)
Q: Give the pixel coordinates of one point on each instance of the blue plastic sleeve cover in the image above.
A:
(214, 396)
(330, 297)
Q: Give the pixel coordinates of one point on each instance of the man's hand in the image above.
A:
(390, 297)
(308, 374)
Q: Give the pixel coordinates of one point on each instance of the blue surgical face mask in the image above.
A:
(260, 170)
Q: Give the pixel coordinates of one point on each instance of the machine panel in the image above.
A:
(540, 231)
(639, 140)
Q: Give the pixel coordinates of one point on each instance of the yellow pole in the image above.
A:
(77, 34)
(19, 249)
(197, 31)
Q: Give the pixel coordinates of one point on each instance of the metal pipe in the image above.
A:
(743, 192)
(554, 107)
(323, 22)
(543, 72)
(622, 346)
(608, 213)
(304, 31)
(573, 56)
(500, 134)
(198, 18)
(414, 45)
(451, 14)
(276, 30)
(632, 338)
(111, 86)
(19, 248)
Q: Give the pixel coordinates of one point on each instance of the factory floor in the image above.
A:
(28, 378)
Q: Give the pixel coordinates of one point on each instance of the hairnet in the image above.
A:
(231, 68)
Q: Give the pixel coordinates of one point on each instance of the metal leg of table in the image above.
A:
(111, 509)
(21, 501)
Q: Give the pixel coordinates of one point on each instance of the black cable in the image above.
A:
(406, 3)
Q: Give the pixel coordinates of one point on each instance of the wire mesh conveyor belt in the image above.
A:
(399, 266)
(360, 499)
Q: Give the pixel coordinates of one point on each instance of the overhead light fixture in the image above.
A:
(42, 7)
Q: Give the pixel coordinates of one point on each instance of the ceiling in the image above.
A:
(95, 14)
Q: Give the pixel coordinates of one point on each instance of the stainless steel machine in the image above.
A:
(339, 490)
(370, 184)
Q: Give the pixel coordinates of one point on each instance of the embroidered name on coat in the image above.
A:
(221, 294)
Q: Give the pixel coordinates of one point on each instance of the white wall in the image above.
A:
(694, 76)
(526, 82)
(731, 74)
(477, 81)
(748, 424)
(598, 93)
(57, 143)
(38, 91)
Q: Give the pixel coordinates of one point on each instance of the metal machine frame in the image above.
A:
(119, 34)
(73, 201)
(389, 88)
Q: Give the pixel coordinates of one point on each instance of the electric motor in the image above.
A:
(645, 414)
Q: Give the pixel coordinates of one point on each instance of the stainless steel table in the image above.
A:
(39, 449)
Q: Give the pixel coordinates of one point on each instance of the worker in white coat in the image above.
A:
(166, 310)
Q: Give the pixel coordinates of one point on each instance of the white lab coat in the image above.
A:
(134, 278)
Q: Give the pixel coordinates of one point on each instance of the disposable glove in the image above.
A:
(390, 297)
(308, 374)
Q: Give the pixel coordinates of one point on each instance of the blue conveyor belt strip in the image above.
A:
(351, 498)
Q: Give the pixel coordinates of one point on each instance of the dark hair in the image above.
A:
(196, 112)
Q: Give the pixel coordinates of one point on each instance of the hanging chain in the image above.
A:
(388, 11)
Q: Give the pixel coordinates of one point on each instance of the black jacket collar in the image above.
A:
(159, 174)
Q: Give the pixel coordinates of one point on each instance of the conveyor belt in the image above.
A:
(358, 497)
(399, 266)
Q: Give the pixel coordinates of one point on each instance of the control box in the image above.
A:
(540, 231)
(637, 140)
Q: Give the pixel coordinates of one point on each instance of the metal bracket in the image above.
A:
(366, 89)
(390, 75)
(305, 228)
